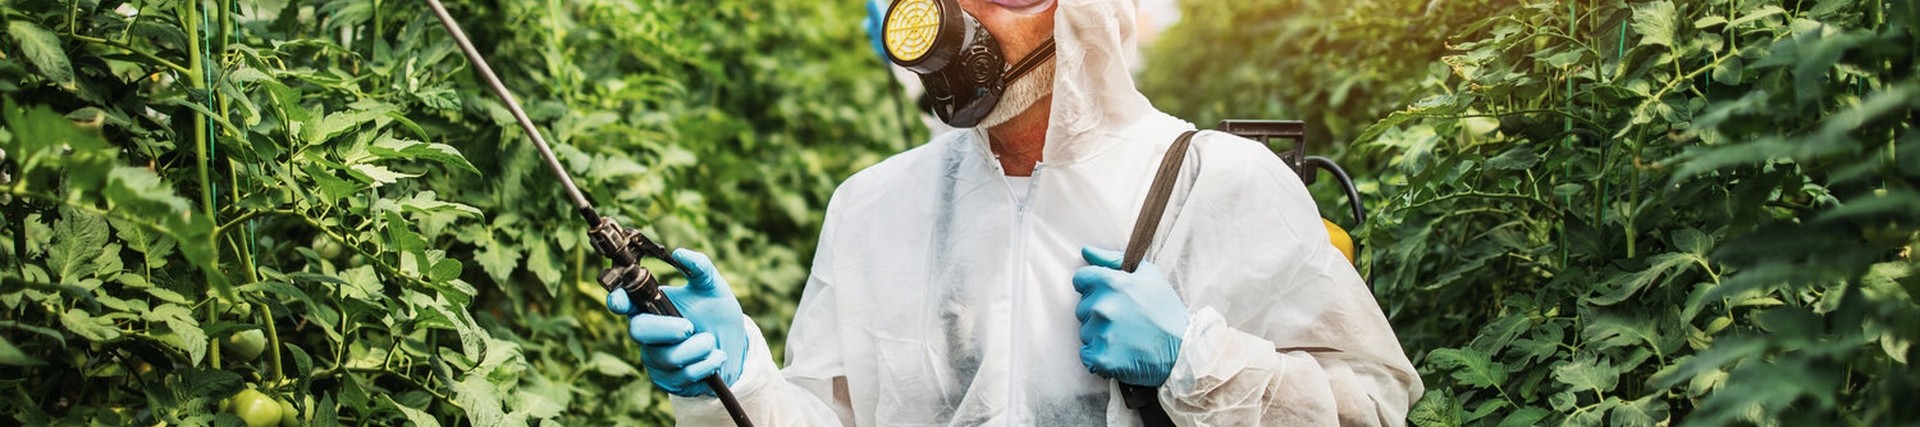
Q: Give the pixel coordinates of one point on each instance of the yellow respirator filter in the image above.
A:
(912, 26)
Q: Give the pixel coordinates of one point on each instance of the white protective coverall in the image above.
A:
(937, 298)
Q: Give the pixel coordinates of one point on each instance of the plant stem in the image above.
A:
(248, 215)
(176, 67)
(334, 372)
(1633, 203)
(1479, 194)
(273, 342)
(196, 74)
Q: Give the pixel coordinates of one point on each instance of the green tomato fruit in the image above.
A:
(327, 248)
(246, 345)
(289, 416)
(240, 309)
(255, 408)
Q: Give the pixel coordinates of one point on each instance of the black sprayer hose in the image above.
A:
(1346, 183)
(660, 307)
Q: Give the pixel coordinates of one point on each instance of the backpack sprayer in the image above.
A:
(624, 246)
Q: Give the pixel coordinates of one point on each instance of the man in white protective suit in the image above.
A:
(975, 279)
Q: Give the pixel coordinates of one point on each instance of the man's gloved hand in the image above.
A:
(681, 352)
(1130, 323)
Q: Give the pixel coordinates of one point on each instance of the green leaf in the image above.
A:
(1757, 15)
(541, 398)
(1496, 335)
(330, 185)
(1525, 417)
(89, 327)
(1654, 22)
(78, 237)
(335, 124)
(378, 175)
(540, 261)
(105, 266)
(1437, 408)
(1568, 190)
(143, 190)
(388, 147)
(1470, 367)
(1692, 241)
(430, 214)
(1647, 411)
(418, 417)
(42, 48)
(302, 363)
(1488, 407)
(1790, 324)
(481, 399)
(154, 249)
(1730, 72)
(444, 270)
(1591, 416)
(1437, 105)
(210, 384)
(180, 322)
(1587, 372)
(10, 355)
(1708, 23)
(1622, 287)
(276, 288)
(1611, 331)
(1564, 401)
(325, 415)
(1518, 158)
(607, 364)
(1563, 59)
(498, 260)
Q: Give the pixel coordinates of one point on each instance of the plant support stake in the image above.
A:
(625, 247)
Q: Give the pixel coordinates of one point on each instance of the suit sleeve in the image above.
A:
(812, 389)
(1284, 331)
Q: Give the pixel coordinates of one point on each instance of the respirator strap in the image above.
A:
(1032, 61)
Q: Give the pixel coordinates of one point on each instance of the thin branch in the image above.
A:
(117, 44)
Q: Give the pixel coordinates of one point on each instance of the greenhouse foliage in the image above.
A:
(1694, 212)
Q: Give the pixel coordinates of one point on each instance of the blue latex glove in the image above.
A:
(1130, 323)
(681, 352)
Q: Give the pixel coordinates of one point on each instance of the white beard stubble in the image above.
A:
(1021, 95)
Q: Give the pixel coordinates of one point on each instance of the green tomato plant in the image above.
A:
(1651, 212)
(317, 203)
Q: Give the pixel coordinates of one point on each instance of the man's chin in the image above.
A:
(1021, 97)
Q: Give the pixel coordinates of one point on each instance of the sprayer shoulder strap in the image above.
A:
(1155, 206)
(1144, 399)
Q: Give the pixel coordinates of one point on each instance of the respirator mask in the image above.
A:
(958, 61)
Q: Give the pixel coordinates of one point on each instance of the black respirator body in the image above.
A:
(958, 61)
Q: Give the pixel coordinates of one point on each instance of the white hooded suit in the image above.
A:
(939, 297)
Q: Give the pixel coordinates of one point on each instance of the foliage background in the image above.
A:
(362, 199)
(1650, 212)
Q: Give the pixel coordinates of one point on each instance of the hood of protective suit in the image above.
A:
(1093, 91)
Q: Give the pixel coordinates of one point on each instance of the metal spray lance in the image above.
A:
(625, 247)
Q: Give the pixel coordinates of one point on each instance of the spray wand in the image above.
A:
(624, 246)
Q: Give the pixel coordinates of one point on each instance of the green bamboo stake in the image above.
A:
(195, 70)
